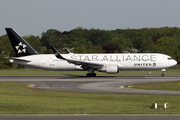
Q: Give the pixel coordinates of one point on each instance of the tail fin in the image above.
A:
(20, 46)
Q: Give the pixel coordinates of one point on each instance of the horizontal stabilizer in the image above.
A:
(14, 58)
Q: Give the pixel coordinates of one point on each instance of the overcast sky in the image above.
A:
(35, 16)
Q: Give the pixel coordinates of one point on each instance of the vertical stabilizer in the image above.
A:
(20, 46)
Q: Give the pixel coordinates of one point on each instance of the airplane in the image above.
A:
(110, 63)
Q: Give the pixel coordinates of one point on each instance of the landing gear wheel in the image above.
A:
(91, 75)
(163, 71)
(162, 75)
(88, 75)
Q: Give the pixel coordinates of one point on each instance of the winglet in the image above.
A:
(56, 53)
(67, 51)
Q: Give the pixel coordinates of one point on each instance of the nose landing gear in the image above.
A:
(163, 71)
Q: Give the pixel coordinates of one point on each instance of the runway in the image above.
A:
(89, 117)
(100, 84)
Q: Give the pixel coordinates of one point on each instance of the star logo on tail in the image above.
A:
(21, 48)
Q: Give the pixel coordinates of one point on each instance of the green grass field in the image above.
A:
(170, 86)
(17, 98)
(47, 72)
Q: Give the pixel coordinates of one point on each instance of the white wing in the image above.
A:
(78, 62)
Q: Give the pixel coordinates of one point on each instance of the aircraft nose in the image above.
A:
(174, 62)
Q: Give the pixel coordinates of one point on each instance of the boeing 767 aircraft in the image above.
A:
(109, 63)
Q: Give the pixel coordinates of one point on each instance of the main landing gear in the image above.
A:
(163, 71)
(91, 73)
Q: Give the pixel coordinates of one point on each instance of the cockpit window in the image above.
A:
(170, 58)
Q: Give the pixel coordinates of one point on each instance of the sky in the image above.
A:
(32, 17)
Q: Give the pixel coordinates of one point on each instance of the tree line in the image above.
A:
(164, 40)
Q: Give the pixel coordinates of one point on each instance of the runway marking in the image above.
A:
(122, 86)
(82, 87)
(54, 87)
(80, 84)
(31, 85)
(110, 88)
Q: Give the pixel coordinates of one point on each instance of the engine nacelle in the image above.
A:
(110, 68)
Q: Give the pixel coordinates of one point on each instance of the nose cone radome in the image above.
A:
(174, 62)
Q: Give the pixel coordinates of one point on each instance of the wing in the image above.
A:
(78, 62)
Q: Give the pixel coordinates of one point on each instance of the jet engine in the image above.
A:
(110, 68)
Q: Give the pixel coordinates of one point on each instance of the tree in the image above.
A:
(45, 36)
(120, 41)
(167, 45)
(56, 41)
(4, 63)
(75, 44)
(155, 38)
(34, 41)
(111, 48)
(79, 50)
(145, 46)
(98, 49)
(5, 46)
(89, 47)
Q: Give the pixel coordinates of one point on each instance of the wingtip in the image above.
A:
(56, 53)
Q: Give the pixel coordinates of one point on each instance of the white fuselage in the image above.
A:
(139, 61)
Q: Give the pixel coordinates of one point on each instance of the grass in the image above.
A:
(170, 86)
(17, 98)
(47, 72)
